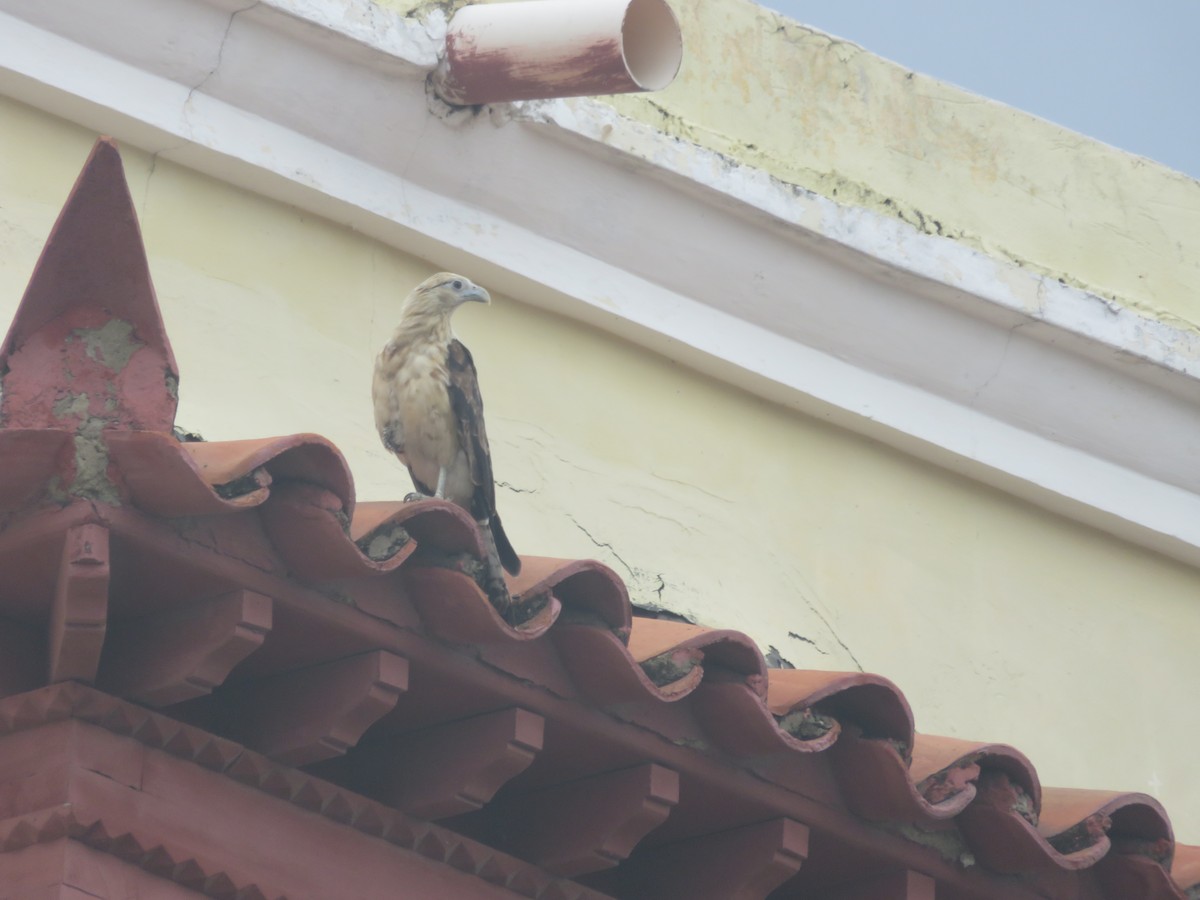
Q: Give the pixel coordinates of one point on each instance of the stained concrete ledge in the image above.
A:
(830, 117)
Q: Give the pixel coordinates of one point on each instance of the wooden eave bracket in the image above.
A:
(79, 611)
(454, 768)
(590, 824)
(904, 884)
(184, 653)
(745, 863)
(302, 717)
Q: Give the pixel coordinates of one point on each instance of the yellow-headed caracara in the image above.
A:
(429, 412)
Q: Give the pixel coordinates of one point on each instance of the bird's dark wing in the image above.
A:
(467, 405)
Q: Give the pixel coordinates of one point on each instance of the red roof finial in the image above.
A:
(87, 349)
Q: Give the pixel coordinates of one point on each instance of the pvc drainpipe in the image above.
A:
(539, 49)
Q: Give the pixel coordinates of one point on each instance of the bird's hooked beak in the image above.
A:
(473, 292)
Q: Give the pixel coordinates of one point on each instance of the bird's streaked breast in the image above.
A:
(412, 405)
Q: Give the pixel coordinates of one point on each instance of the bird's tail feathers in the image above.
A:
(508, 556)
(500, 552)
(500, 557)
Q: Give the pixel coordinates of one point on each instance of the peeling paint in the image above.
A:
(186, 437)
(91, 481)
(774, 660)
(71, 406)
(828, 117)
(113, 344)
(406, 31)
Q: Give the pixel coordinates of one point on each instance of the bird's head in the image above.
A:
(441, 294)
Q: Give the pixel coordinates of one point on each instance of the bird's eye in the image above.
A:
(457, 285)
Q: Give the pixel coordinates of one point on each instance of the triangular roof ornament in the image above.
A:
(87, 348)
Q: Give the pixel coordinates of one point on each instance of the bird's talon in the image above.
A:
(416, 496)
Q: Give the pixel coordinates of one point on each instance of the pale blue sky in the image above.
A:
(1125, 73)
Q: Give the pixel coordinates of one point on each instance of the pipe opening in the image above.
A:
(539, 49)
(651, 44)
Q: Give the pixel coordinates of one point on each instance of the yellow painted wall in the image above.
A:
(998, 620)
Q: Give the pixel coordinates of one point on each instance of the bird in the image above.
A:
(429, 412)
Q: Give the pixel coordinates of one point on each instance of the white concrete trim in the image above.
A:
(930, 346)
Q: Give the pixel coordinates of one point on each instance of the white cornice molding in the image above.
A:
(972, 275)
(1081, 405)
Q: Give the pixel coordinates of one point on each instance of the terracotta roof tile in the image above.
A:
(587, 588)
(660, 644)
(169, 478)
(564, 707)
(1185, 868)
(871, 702)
